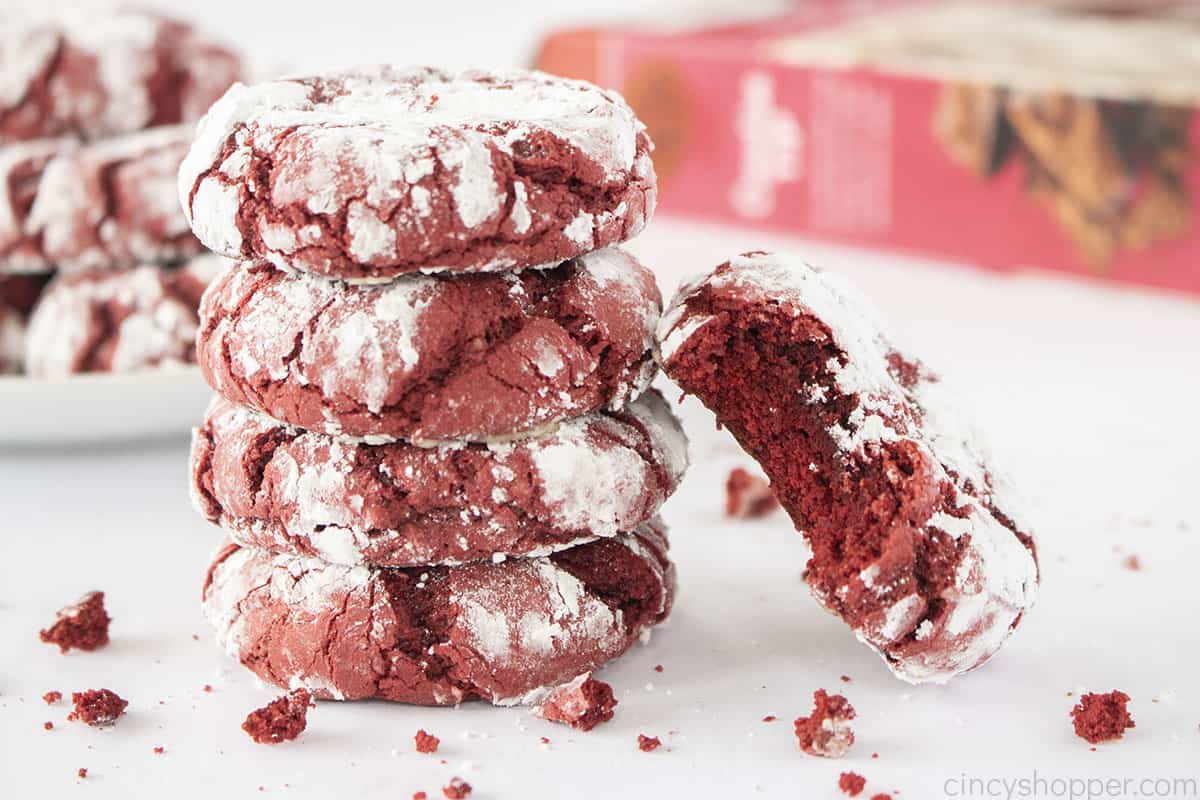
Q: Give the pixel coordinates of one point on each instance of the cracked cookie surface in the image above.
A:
(918, 542)
(91, 73)
(287, 490)
(506, 633)
(118, 321)
(107, 204)
(433, 357)
(374, 172)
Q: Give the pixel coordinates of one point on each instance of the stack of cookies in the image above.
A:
(433, 446)
(90, 142)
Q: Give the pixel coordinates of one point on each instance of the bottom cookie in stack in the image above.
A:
(118, 320)
(507, 632)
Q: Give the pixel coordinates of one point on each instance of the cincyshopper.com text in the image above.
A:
(1035, 785)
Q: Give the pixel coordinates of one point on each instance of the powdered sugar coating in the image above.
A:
(94, 72)
(21, 168)
(270, 485)
(107, 204)
(433, 357)
(995, 578)
(504, 632)
(378, 171)
(118, 321)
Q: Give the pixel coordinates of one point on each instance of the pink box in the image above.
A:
(977, 170)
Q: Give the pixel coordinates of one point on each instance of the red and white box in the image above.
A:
(1007, 137)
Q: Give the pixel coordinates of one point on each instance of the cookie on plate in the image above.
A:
(118, 321)
(101, 205)
(90, 73)
(918, 541)
(18, 295)
(433, 357)
(374, 172)
(506, 632)
(284, 489)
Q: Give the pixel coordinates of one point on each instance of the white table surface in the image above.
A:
(1090, 394)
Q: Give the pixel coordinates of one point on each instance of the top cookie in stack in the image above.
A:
(433, 367)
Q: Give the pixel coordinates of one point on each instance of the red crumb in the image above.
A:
(419, 796)
(426, 742)
(83, 626)
(82, 772)
(207, 687)
(770, 718)
(1133, 562)
(826, 732)
(545, 740)
(158, 751)
(648, 743)
(456, 789)
(658, 667)
(845, 679)
(852, 783)
(97, 707)
(280, 720)
(1101, 717)
(881, 796)
(52, 697)
(583, 703)
(48, 725)
(748, 496)
(874, 755)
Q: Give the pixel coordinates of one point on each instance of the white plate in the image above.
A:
(100, 407)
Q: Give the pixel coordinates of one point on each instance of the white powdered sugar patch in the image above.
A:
(378, 132)
(996, 580)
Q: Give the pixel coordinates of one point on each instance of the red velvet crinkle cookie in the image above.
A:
(379, 171)
(101, 205)
(18, 294)
(433, 357)
(507, 633)
(21, 168)
(918, 543)
(118, 321)
(278, 487)
(100, 72)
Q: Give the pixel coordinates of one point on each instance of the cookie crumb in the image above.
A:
(99, 708)
(207, 688)
(426, 742)
(658, 667)
(648, 744)
(83, 626)
(1101, 717)
(852, 783)
(158, 751)
(881, 796)
(826, 732)
(419, 796)
(1132, 562)
(48, 725)
(456, 789)
(748, 496)
(583, 703)
(770, 718)
(845, 679)
(82, 773)
(280, 720)
(52, 697)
